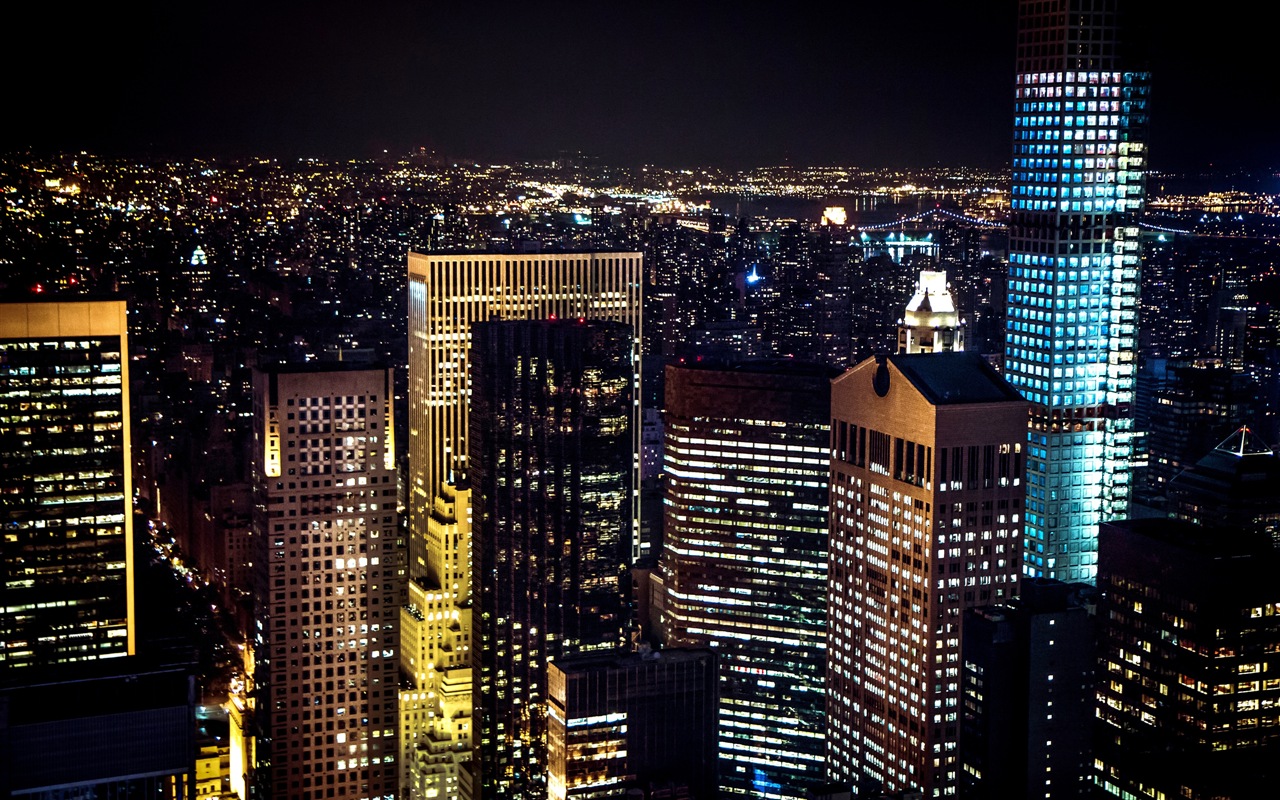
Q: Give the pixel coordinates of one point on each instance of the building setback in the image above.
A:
(329, 575)
(744, 563)
(642, 720)
(551, 466)
(1071, 323)
(66, 558)
(926, 521)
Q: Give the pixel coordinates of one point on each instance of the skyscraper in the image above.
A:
(744, 565)
(447, 293)
(1188, 701)
(1071, 327)
(328, 583)
(66, 493)
(551, 465)
(926, 521)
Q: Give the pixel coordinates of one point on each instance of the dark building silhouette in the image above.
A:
(1027, 708)
(551, 455)
(1189, 658)
(744, 567)
(632, 721)
(1235, 487)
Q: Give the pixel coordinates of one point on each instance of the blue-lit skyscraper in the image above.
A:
(1071, 337)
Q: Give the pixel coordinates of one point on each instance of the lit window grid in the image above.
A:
(720, 474)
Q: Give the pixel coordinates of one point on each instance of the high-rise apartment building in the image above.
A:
(622, 721)
(447, 293)
(551, 464)
(66, 494)
(1232, 488)
(1188, 697)
(1071, 327)
(329, 575)
(926, 520)
(744, 563)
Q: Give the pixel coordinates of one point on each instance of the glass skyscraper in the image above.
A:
(1071, 328)
(66, 494)
(744, 564)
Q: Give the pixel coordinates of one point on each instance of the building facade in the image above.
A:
(328, 583)
(551, 462)
(66, 491)
(623, 721)
(927, 465)
(743, 567)
(1071, 328)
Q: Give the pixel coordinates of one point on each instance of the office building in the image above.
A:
(744, 565)
(623, 722)
(1026, 724)
(329, 577)
(551, 462)
(447, 293)
(927, 465)
(931, 323)
(1071, 327)
(1232, 488)
(435, 653)
(1188, 693)
(66, 558)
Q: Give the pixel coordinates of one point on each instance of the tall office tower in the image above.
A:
(447, 293)
(435, 654)
(926, 521)
(931, 323)
(1232, 488)
(328, 584)
(1188, 699)
(66, 559)
(744, 563)
(622, 721)
(551, 457)
(1027, 716)
(1071, 326)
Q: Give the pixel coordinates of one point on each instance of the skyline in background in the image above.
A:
(669, 84)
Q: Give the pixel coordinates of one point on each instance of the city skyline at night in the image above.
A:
(662, 402)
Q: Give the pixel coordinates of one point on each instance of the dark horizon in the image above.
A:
(673, 85)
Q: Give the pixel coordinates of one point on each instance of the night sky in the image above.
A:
(677, 84)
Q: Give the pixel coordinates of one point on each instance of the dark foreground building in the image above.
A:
(551, 455)
(1027, 707)
(1189, 670)
(644, 721)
